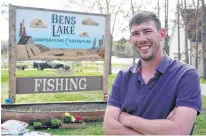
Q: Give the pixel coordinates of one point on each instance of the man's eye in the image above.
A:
(135, 34)
(148, 32)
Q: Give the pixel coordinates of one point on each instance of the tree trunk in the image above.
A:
(178, 27)
(204, 38)
(158, 8)
(166, 28)
(133, 49)
(197, 36)
(186, 44)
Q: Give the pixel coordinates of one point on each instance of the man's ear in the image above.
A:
(162, 34)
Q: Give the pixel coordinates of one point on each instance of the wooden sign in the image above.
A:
(58, 84)
(45, 34)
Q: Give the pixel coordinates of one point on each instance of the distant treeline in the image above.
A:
(122, 49)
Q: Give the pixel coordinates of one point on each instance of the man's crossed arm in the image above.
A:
(179, 121)
(112, 126)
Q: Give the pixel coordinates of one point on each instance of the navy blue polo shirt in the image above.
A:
(174, 84)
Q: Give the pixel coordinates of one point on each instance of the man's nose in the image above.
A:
(142, 39)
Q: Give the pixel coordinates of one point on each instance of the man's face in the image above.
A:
(146, 39)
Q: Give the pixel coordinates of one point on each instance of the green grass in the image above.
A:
(121, 65)
(96, 128)
(204, 102)
(203, 81)
(200, 127)
(43, 73)
(92, 128)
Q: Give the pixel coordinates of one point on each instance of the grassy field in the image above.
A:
(203, 81)
(92, 128)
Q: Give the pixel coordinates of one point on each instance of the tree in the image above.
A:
(204, 37)
(4, 9)
(186, 43)
(122, 48)
(197, 35)
(134, 53)
(166, 27)
(178, 27)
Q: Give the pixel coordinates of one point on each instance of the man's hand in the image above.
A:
(112, 126)
(124, 118)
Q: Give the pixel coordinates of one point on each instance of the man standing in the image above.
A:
(157, 95)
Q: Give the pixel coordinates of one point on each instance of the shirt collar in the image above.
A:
(160, 68)
(163, 64)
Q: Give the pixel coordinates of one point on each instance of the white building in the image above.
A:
(173, 41)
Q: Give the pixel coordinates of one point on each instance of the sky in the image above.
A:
(60, 4)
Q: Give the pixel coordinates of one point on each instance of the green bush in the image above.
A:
(37, 124)
(55, 122)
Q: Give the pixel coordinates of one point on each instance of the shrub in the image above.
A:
(55, 122)
(37, 124)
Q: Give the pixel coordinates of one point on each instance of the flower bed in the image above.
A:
(53, 124)
(70, 121)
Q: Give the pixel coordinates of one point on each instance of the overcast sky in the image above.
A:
(60, 4)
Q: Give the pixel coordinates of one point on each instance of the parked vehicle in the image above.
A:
(21, 67)
(51, 64)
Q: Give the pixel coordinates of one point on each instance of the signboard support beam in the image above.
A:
(12, 53)
(106, 58)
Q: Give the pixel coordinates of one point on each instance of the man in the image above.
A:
(157, 95)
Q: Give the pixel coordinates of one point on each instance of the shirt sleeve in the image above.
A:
(189, 91)
(114, 97)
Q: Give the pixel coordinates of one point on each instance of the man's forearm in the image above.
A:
(154, 127)
(116, 128)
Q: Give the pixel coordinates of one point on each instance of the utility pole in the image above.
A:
(204, 37)
(178, 28)
(186, 44)
(133, 51)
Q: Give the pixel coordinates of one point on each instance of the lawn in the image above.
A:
(203, 81)
(96, 128)
(92, 128)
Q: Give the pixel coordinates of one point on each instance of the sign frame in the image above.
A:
(13, 50)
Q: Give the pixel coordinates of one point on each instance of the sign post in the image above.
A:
(12, 53)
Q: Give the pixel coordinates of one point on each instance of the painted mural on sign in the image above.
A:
(42, 34)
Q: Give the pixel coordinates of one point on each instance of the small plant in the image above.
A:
(71, 119)
(55, 122)
(78, 119)
(37, 124)
(67, 118)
